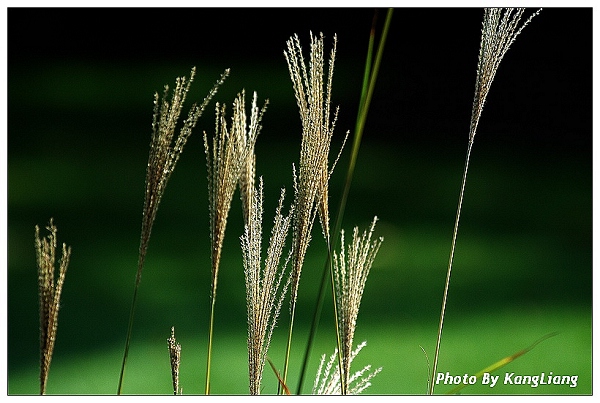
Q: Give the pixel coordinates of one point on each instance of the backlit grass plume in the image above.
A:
(162, 159)
(351, 268)
(163, 153)
(49, 294)
(231, 151)
(313, 95)
(500, 29)
(265, 288)
(328, 381)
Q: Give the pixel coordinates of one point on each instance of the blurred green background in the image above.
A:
(79, 114)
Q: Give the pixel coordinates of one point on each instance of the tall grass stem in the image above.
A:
(500, 28)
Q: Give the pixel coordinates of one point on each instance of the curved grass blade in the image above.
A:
(282, 384)
(506, 360)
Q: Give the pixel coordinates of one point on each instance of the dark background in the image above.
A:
(80, 86)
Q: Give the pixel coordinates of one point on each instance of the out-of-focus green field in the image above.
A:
(470, 344)
(509, 287)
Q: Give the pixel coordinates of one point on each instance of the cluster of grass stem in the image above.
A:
(351, 268)
(231, 164)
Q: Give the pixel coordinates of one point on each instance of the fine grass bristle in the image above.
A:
(49, 294)
(163, 153)
(500, 30)
(311, 180)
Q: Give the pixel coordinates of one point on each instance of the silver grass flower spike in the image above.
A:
(161, 164)
(49, 294)
(163, 153)
(265, 288)
(351, 268)
(230, 154)
(328, 382)
(500, 29)
(313, 95)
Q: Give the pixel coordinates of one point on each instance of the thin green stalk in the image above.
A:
(369, 79)
(343, 386)
(450, 260)
(288, 349)
(128, 339)
(209, 354)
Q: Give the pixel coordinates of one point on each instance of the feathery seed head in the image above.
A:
(328, 382)
(163, 153)
(161, 162)
(231, 154)
(313, 96)
(265, 288)
(351, 268)
(499, 31)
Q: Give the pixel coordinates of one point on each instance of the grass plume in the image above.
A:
(500, 29)
(351, 268)
(328, 380)
(226, 158)
(265, 288)
(49, 294)
(313, 96)
(161, 163)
